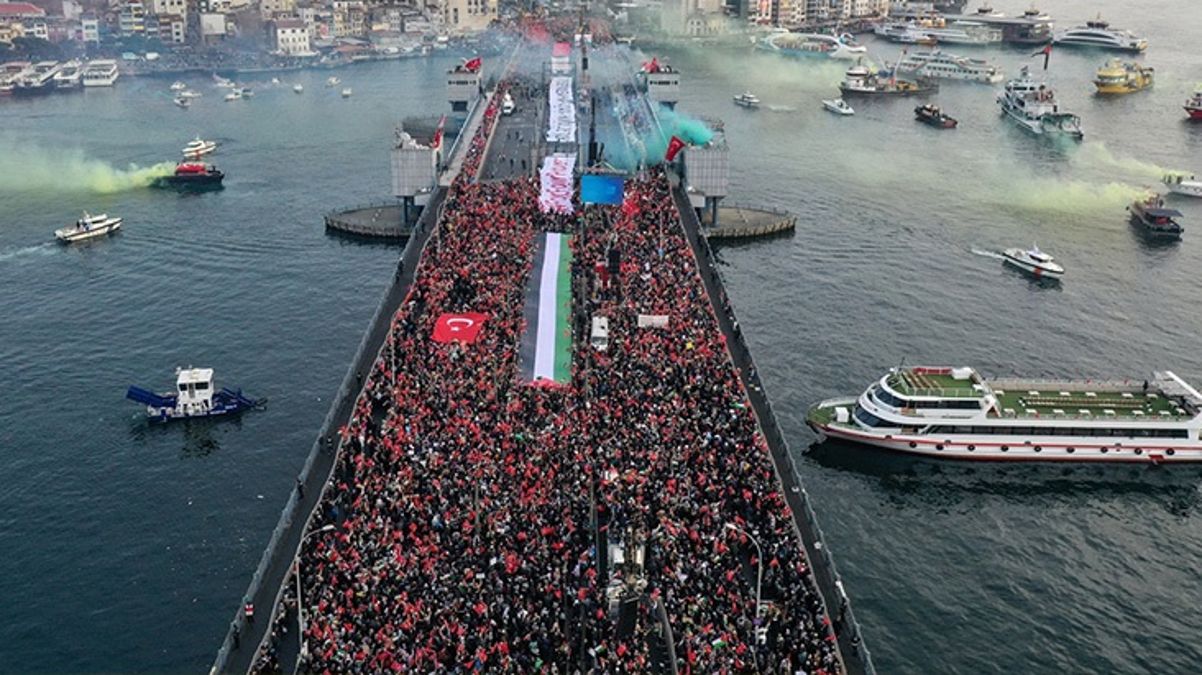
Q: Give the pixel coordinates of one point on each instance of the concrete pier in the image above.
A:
(378, 221)
(744, 222)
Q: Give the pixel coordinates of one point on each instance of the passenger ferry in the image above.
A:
(1033, 106)
(957, 413)
(100, 73)
(1181, 184)
(1098, 33)
(9, 74)
(940, 64)
(970, 33)
(814, 44)
(69, 76)
(38, 80)
(1118, 77)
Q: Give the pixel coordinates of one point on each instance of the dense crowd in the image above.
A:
(460, 505)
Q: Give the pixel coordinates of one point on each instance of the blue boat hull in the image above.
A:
(162, 408)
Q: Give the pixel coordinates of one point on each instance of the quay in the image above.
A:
(744, 222)
(378, 221)
(505, 522)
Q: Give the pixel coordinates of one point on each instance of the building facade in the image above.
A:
(291, 37)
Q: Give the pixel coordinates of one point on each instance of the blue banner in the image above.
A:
(601, 189)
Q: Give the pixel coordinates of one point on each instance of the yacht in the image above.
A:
(860, 81)
(1119, 77)
(88, 227)
(1033, 106)
(1098, 33)
(1193, 105)
(814, 44)
(1181, 184)
(70, 76)
(956, 413)
(100, 73)
(1156, 220)
(942, 65)
(222, 83)
(747, 100)
(838, 106)
(971, 33)
(1034, 262)
(198, 147)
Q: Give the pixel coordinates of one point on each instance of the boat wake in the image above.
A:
(782, 108)
(28, 250)
(988, 254)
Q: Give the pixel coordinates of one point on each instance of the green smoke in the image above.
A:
(25, 168)
(688, 129)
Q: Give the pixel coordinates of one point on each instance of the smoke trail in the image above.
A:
(1097, 155)
(25, 168)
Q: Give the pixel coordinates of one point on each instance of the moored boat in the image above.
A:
(69, 76)
(1034, 262)
(178, 86)
(956, 413)
(838, 106)
(88, 227)
(195, 396)
(1179, 183)
(1155, 219)
(101, 73)
(298, 88)
(333, 82)
(346, 92)
(1119, 77)
(182, 101)
(934, 116)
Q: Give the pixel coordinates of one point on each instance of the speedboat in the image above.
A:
(88, 227)
(245, 92)
(182, 101)
(1034, 262)
(933, 116)
(1182, 185)
(1118, 77)
(178, 86)
(198, 147)
(1157, 221)
(234, 95)
(195, 396)
(747, 100)
(346, 93)
(1033, 106)
(1098, 33)
(188, 93)
(838, 106)
(298, 88)
(333, 82)
(1193, 106)
(192, 176)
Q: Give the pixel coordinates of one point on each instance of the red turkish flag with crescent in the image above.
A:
(463, 328)
(473, 64)
(674, 146)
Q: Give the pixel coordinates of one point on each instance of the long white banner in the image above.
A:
(555, 182)
(561, 112)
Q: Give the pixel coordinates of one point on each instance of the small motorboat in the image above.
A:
(193, 176)
(198, 147)
(234, 95)
(182, 102)
(838, 106)
(333, 82)
(1034, 262)
(747, 100)
(245, 92)
(298, 88)
(1193, 105)
(931, 115)
(275, 80)
(1150, 214)
(346, 93)
(1179, 183)
(88, 227)
(178, 86)
(222, 83)
(195, 396)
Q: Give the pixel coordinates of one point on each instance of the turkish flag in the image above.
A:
(674, 146)
(463, 328)
(473, 65)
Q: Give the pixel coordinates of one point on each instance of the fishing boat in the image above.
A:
(1154, 219)
(1119, 77)
(195, 396)
(1034, 262)
(747, 100)
(1033, 106)
(192, 176)
(199, 147)
(1179, 183)
(933, 116)
(1193, 105)
(860, 81)
(1097, 33)
(838, 106)
(88, 227)
(956, 413)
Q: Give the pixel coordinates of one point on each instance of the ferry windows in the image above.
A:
(868, 419)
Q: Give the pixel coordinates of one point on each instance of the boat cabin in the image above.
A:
(194, 387)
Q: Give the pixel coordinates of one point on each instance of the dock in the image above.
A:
(744, 222)
(379, 221)
(458, 512)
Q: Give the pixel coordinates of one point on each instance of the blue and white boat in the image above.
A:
(813, 44)
(195, 396)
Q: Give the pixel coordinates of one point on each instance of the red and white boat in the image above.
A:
(1193, 105)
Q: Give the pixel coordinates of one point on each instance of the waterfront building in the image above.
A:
(269, 9)
(131, 20)
(89, 30)
(291, 37)
(694, 18)
(467, 16)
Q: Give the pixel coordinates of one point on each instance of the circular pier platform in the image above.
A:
(381, 221)
(740, 222)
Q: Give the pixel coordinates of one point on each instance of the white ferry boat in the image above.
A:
(970, 33)
(88, 227)
(814, 44)
(942, 65)
(1033, 106)
(1034, 262)
(1182, 184)
(100, 73)
(957, 413)
(69, 76)
(1098, 33)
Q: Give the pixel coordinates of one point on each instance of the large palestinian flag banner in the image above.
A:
(546, 354)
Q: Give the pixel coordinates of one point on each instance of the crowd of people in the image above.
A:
(456, 533)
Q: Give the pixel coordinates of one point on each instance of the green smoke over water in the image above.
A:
(688, 129)
(26, 168)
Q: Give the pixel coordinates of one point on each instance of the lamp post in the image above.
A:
(300, 604)
(759, 559)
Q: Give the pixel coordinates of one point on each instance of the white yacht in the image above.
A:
(198, 147)
(814, 44)
(100, 73)
(1034, 262)
(747, 100)
(1181, 184)
(69, 76)
(838, 106)
(234, 95)
(298, 88)
(942, 65)
(1098, 33)
(88, 227)
(1033, 106)
(972, 33)
(957, 413)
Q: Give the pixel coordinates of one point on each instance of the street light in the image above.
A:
(300, 604)
(759, 559)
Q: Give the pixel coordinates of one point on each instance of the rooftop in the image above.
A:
(1090, 404)
(920, 381)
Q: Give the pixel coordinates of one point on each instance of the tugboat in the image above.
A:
(88, 227)
(933, 116)
(192, 176)
(838, 106)
(747, 100)
(1193, 106)
(1157, 221)
(1180, 184)
(860, 81)
(1034, 262)
(1119, 77)
(194, 397)
(1033, 106)
(198, 148)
